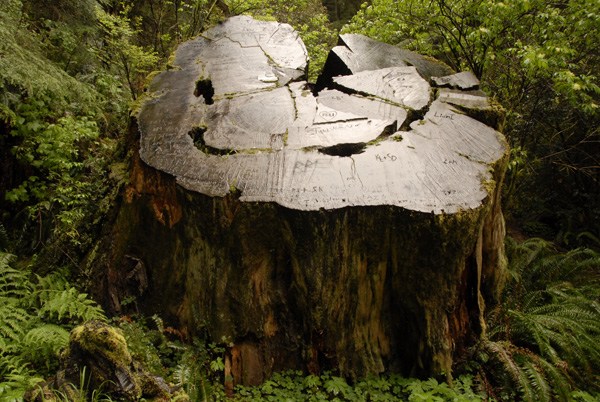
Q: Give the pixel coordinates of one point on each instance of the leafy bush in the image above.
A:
(50, 128)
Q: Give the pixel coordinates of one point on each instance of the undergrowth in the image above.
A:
(294, 386)
(37, 315)
(543, 339)
(542, 342)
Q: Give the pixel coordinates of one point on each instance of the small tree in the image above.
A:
(118, 49)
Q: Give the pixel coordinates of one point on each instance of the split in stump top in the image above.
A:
(235, 115)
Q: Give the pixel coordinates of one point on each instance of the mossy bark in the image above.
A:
(359, 289)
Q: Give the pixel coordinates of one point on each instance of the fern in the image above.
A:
(36, 320)
(69, 303)
(544, 337)
(59, 300)
(15, 378)
(13, 287)
(43, 344)
(14, 320)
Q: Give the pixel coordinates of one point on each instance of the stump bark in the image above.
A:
(354, 224)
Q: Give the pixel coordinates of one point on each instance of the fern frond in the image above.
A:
(5, 259)
(41, 346)
(550, 319)
(72, 304)
(500, 352)
(557, 374)
(48, 339)
(15, 377)
(182, 374)
(14, 320)
(536, 378)
(58, 299)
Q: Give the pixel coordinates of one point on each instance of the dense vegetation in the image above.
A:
(69, 70)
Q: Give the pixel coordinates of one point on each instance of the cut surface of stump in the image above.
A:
(353, 224)
(266, 135)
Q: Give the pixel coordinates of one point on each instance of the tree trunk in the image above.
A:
(357, 227)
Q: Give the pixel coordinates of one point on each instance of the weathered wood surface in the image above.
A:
(263, 133)
(357, 227)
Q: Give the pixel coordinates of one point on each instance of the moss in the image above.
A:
(253, 151)
(101, 338)
(103, 349)
(136, 106)
(171, 61)
(150, 77)
(493, 116)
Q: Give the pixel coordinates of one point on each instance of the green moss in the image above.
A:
(493, 116)
(171, 61)
(151, 76)
(136, 106)
(98, 337)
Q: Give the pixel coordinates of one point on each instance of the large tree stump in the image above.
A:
(356, 228)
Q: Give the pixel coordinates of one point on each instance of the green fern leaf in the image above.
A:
(549, 321)
(14, 321)
(68, 303)
(536, 379)
(5, 259)
(48, 339)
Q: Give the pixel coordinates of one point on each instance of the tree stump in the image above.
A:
(351, 225)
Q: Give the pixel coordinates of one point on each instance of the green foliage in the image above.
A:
(26, 73)
(37, 314)
(294, 386)
(53, 123)
(163, 24)
(119, 49)
(57, 191)
(544, 337)
(319, 39)
(197, 366)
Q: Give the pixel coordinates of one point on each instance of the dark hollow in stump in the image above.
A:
(354, 226)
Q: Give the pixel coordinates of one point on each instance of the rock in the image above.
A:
(98, 355)
(353, 226)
